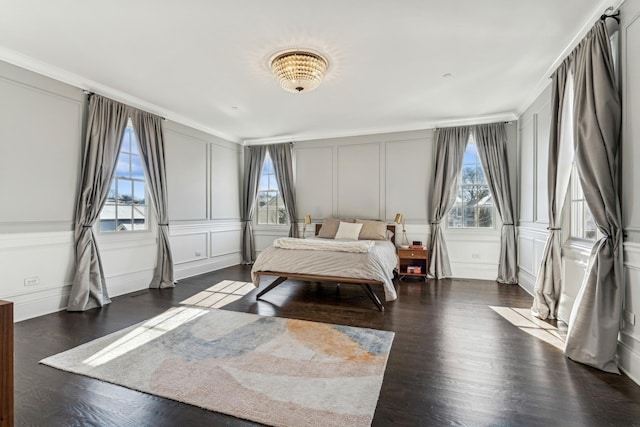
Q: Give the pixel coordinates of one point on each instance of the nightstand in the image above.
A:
(412, 263)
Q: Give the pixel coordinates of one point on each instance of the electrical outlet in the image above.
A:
(629, 318)
(198, 253)
(32, 281)
(475, 256)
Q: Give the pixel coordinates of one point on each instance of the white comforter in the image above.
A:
(377, 264)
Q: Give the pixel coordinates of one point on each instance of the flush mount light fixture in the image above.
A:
(298, 70)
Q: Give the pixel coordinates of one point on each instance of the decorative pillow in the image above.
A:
(389, 234)
(372, 230)
(329, 228)
(349, 231)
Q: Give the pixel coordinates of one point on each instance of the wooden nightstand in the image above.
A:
(416, 258)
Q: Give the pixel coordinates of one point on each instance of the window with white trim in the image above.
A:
(473, 207)
(126, 207)
(583, 226)
(271, 210)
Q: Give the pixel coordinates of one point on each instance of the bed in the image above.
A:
(373, 267)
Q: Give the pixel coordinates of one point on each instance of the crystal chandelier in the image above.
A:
(298, 70)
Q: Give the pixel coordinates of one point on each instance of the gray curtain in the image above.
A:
(450, 146)
(491, 140)
(105, 128)
(594, 324)
(148, 130)
(282, 158)
(253, 161)
(548, 285)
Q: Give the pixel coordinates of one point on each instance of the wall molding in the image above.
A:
(631, 255)
(31, 240)
(216, 226)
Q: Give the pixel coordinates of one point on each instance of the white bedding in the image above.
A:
(377, 264)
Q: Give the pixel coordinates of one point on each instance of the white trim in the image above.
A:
(31, 240)
(206, 265)
(526, 281)
(200, 227)
(629, 361)
(80, 82)
(329, 134)
(474, 270)
(631, 255)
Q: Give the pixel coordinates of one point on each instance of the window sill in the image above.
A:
(577, 247)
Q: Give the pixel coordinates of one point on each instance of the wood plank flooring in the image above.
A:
(454, 361)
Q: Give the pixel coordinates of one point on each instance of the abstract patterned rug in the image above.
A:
(271, 370)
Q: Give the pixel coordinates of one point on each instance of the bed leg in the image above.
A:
(372, 295)
(271, 286)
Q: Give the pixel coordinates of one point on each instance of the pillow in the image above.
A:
(372, 230)
(329, 228)
(347, 230)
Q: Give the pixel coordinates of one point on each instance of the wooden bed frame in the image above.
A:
(364, 283)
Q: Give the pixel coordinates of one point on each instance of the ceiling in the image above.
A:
(205, 63)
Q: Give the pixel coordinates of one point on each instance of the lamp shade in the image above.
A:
(307, 219)
(398, 219)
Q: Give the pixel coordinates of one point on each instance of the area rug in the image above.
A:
(271, 370)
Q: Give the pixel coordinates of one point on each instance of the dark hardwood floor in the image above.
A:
(454, 361)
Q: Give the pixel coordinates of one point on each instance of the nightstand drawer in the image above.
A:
(412, 253)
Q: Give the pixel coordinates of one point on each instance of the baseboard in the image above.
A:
(527, 282)
(195, 268)
(127, 283)
(629, 362)
(40, 303)
(469, 270)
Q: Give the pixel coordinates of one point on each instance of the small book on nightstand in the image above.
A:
(416, 247)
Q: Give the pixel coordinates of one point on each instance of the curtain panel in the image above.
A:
(253, 161)
(450, 146)
(491, 140)
(548, 284)
(148, 128)
(282, 158)
(592, 337)
(106, 123)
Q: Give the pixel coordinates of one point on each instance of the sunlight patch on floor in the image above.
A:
(524, 320)
(145, 333)
(220, 294)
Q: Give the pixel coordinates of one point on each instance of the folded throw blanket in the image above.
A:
(324, 244)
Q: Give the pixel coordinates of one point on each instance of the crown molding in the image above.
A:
(433, 124)
(62, 75)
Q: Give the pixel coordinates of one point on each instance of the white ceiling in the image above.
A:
(204, 63)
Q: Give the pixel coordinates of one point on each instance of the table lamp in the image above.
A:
(307, 220)
(404, 242)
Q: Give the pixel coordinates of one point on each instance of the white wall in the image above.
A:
(41, 138)
(629, 344)
(533, 212)
(203, 173)
(377, 176)
(534, 131)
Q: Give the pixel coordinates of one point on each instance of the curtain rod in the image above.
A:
(608, 14)
(90, 94)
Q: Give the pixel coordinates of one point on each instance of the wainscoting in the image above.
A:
(202, 247)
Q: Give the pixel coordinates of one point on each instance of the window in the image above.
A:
(582, 224)
(126, 206)
(271, 209)
(474, 204)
